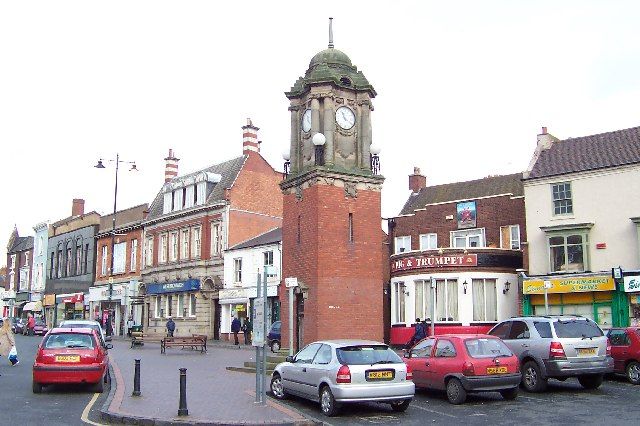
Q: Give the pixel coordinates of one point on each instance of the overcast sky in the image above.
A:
(463, 87)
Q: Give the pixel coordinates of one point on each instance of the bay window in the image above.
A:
(568, 252)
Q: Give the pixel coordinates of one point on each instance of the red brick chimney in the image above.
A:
(171, 167)
(250, 138)
(77, 208)
(417, 181)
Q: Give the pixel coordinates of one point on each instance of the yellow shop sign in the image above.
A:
(570, 285)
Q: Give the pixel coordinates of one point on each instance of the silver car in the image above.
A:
(557, 346)
(95, 325)
(334, 372)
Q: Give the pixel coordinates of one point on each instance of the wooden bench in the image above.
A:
(138, 338)
(194, 342)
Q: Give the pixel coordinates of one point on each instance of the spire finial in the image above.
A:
(330, 33)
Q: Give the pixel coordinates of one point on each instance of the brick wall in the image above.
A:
(256, 188)
(129, 236)
(246, 225)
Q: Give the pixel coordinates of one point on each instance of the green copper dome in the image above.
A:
(330, 56)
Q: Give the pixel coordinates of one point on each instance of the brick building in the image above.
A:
(469, 238)
(192, 220)
(18, 274)
(114, 295)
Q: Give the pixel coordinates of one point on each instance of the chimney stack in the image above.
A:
(171, 167)
(250, 138)
(77, 208)
(417, 181)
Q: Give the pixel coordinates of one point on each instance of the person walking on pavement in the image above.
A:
(171, 327)
(247, 328)
(235, 328)
(129, 325)
(8, 343)
(31, 323)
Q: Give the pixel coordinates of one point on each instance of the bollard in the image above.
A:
(182, 409)
(136, 379)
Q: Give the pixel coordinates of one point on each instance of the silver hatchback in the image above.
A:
(335, 372)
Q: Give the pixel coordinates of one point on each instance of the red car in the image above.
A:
(71, 355)
(625, 351)
(40, 328)
(459, 363)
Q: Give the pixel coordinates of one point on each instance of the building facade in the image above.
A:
(18, 274)
(192, 220)
(582, 221)
(114, 296)
(70, 265)
(467, 238)
(38, 270)
(244, 267)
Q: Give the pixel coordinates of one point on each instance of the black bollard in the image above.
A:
(182, 409)
(136, 379)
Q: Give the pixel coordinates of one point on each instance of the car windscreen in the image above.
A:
(68, 340)
(577, 328)
(367, 355)
(486, 348)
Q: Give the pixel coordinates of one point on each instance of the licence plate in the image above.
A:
(586, 351)
(380, 375)
(67, 358)
(496, 370)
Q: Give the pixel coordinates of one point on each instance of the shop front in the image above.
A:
(107, 307)
(238, 303)
(632, 291)
(49, 306)
(69, 306)
(592, 296)
(181, 301)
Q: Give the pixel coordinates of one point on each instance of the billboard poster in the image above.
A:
(466, 214)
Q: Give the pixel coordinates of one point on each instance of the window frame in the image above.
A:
(467, 234)
(237, 270)
(103, 260)
(133, 255)
(399, 289)
(174, 246)
(116, 266)
(149, 251)
(512, 244)
(216, 239)
(558, 203)
(402, 244)
(192, 304)
(196, 239)
(157, 307)
(185, 249)
(565, 234)
(485, 281)
(267, 256)
(164, 247)
(428, 236)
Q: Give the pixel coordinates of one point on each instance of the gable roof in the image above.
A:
(611, 149)
(269, 237)
(459, 191)
(228, 172)
(21, 244)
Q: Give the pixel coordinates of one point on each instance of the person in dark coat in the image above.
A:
(235, 329)
(171, 327)
(247, 328)
(419, 333)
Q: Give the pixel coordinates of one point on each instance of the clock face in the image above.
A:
(345, 117)
(306, 120)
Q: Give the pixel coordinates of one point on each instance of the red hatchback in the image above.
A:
(625, 351)
(464, 363)
(71, 355)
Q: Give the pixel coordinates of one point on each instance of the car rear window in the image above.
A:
(81, 325)
(367, 354)
(575, 328)
(486, 348)
(68, 340)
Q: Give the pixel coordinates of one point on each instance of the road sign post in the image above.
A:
(291, 283)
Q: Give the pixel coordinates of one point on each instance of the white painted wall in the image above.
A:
(606, 198)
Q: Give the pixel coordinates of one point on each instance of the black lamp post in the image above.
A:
(287, 164)
(375, 159)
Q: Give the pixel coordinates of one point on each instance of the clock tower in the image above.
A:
(332, 237)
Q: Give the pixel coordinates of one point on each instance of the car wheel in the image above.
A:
(633, 372)
(36, 387)
(277, 388)
(509, 394)
(532, 379)
(275, 346)
(455, 392)
(591, 381)
(327, 402)
(400, 406)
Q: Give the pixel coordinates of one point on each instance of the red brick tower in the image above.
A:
(332, 239)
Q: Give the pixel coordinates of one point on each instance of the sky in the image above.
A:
(463, 88)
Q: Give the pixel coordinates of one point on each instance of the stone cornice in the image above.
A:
(325, 176)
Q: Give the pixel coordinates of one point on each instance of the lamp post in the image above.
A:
(100, 165)
(287, 163)
(375, 159)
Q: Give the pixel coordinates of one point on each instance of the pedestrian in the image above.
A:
(31, 323)
(235, 328)
(419, 333)
(247, 328)
(171, 327)
(129, 325)
(8, 343)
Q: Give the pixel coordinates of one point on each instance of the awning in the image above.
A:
(33, 306)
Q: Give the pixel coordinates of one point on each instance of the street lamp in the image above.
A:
(375, 159)
(287, 163)
(319, 140)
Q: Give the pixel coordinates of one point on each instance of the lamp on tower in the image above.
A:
(319, 140)
(287, 164)
(375, 159)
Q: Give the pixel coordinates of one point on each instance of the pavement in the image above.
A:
(214, 394)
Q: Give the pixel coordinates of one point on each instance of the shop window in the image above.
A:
(447, 300)
(119, 257)
(181, 311)
(237, 270)
(192, 305)
(428, 241)
(562, 202)
(158, 307)
(184, 240)
(173, 246)
(423, 299)
(399, 293)
(485, 305)
(103, 261)
(567, 252)
(402, 244)
(468, 238)
(169, 308)
(510, 237)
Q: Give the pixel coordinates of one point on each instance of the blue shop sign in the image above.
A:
(188, 285)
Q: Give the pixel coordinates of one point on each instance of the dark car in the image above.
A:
(40, 328)
(273, 338)
(625, 350)
(18, 325)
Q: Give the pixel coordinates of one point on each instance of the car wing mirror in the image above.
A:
(290, 358)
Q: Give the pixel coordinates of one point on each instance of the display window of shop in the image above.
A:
(447, 299)
(485, 303)
(184, 240)
(399, 293)
(510, 237)
(173, 246)
(468, 238)
(561, 196)
(103, 261)
(192, 305)
(402, 244)
(158, 306)
(196, 246)
(181, 311)
(428, 241)
(119, 257)
(568, 251)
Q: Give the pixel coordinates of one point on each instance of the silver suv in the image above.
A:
(558, 347)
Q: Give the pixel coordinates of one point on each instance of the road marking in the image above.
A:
(433, 411)
(85, 412)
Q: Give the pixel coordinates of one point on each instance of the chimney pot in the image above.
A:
(250, 142)
(544, 130)
(170, 167)
(417, 181)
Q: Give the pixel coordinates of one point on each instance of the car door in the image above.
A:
(317, 370)
(519, 338)
(620, 347)
(442, 362)
(294, 376)
(420, 360)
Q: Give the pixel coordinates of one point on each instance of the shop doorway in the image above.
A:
(215, 319)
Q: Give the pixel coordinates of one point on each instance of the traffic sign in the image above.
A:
(258, 338)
